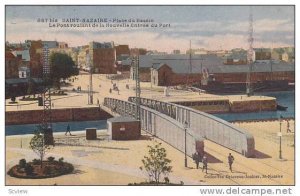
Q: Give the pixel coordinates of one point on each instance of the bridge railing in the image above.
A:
(157, 124)
(203, 125)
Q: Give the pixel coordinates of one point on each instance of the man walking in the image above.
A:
(68, 130)
(230, 161)
(288, 130)
(197, 159)
(204, 161)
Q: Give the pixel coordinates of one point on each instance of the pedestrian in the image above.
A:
(197, 159)
(204, 161)
(68, 130)
(230, 161)
(288, 130)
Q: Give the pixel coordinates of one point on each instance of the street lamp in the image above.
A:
(280, 135)
(185, 125)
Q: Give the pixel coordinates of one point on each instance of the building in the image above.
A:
(63, 45)
(236, 57)
(51, 44)
(138, 51)
(81, 57)
(288, 57)
(24, 72)
(11, 65)
(175, 70)
(103, 57)
(24, 57)
(24, 63)
(262, 54)
(35, 52)
(176, 51)
(122, 52)
(197, 51)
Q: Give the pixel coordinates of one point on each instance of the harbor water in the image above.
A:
(57, 127)
(284, 98)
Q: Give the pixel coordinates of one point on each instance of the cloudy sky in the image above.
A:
(210, 27)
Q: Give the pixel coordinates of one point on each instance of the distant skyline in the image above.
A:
(209, 27)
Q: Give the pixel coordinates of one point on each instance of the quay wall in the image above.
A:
(253, 106)
(225, 106)
(58, 115)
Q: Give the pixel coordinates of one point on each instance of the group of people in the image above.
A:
(197, 157)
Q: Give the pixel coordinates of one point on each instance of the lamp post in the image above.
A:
(185, 125)
(280, 135)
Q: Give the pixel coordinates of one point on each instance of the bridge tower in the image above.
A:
(250, 54)
(90, 89)
(47, 117)
(135, 65)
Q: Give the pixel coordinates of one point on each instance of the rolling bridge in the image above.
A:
(155, 123)
(203, 125)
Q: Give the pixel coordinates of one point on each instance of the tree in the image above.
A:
(37, 144)
(156, 163)
(31, 87)
(62, 67)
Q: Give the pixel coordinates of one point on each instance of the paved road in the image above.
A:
(119, 168)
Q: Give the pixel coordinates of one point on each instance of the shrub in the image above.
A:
(61, 161)
(28, 169)
(13, 99)
(51, 159)
(47, 170)
(36, 162)
(68, 168)
(167, 180)
(22, 163)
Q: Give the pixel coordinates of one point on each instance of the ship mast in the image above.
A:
(250, 54)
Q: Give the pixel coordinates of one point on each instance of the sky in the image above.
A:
(209, 27)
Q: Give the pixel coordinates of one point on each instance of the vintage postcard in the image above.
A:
(150, 95)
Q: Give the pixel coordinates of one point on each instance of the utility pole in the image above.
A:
(47, 117)
(135, 64)
(250, 55)
(90, 88)
(190, 64)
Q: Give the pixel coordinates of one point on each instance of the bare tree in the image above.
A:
(156, 163)
(37, 144)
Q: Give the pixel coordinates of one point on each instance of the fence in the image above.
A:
(203, 125)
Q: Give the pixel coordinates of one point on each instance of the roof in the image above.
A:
(24, 53)
(9, 55)
(50, 44)
(236, 55)
(126, 61)
(122, 119)
(180, 64)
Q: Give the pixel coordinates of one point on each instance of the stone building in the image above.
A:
(103, 57)
(174, 70)
(122, 52)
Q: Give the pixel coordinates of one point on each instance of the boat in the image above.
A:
(281, 108)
